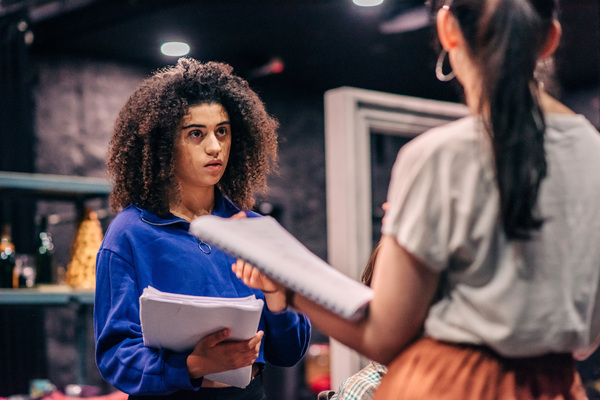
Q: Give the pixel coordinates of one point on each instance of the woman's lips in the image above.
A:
(214, 165)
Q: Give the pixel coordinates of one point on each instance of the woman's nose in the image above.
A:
(213, 146)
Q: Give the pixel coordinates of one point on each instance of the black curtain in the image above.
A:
(22, 333)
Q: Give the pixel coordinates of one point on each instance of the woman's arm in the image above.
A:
(403, 291)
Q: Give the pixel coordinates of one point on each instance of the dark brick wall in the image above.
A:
(77, 102)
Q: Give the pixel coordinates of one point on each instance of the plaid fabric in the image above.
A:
(362, 385)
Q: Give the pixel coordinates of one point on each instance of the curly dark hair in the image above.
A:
(141, 152)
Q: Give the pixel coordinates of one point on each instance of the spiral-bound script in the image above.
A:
(265, 244)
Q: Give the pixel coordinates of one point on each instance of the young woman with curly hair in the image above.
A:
(193, 139)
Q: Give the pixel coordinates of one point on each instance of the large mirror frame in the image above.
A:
(351, 115)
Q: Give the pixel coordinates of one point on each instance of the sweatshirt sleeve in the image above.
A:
(121, 356)
(287, 337)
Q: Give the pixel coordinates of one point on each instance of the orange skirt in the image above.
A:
(429, 369)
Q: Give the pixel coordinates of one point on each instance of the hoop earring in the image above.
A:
(439, 68)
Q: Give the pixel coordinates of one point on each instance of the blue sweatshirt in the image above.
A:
(141, 249)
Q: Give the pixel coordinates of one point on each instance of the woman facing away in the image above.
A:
(193, 139)
(499, 211)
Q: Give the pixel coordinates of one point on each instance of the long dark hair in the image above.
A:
(505, 38)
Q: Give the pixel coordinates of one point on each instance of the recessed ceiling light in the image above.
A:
(175, 49)
(367, 3)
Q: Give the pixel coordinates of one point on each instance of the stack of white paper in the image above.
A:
(177, 322)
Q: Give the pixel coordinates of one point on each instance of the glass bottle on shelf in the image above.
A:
(7, 258)
(44, 254)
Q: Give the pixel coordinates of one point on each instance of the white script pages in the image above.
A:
(177, 322)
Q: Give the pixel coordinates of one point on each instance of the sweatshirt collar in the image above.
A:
(223, 207)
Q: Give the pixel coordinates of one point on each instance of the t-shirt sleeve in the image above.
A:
(439, 197)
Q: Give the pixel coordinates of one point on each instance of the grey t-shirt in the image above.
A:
(521, 298)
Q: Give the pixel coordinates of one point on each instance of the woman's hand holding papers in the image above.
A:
(213, 354)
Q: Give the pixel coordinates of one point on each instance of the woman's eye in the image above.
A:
(195, 133)
(222, 131)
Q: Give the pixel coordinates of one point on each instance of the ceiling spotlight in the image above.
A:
(175, 49)
(367, 3)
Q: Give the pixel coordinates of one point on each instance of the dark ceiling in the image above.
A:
(322, 43)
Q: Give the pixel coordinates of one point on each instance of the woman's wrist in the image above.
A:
(275, 300)
(193, 369)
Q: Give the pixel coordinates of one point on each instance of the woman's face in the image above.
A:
(202, 146)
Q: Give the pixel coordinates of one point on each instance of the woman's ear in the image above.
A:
(447, 29)
(552, 41)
